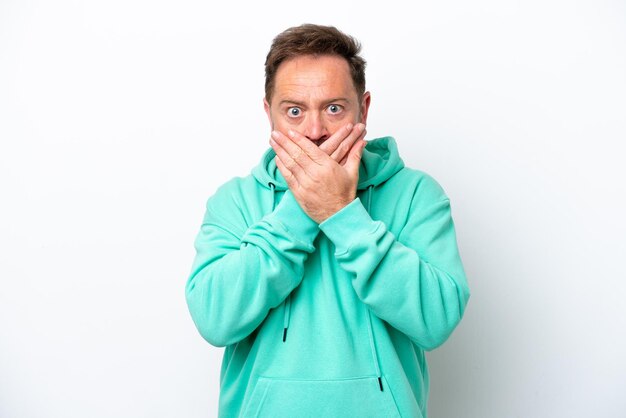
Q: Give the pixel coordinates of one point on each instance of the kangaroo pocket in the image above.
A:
(292, 398)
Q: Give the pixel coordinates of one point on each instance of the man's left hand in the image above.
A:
(321, 185)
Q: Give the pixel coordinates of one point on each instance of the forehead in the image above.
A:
(309, 77)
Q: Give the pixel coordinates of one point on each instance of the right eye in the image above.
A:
(294, 112)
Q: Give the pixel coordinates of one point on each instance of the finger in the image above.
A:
(286, 159)
(287, 174)
(296, 146)
(353, 159)
(313, 151)
(357, 133)
(345, 158)
(293, 181)
(330, 145)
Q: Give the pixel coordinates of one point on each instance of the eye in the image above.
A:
(334, 109)
(294, 112)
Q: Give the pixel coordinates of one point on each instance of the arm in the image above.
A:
(239, 273)
(416, 281)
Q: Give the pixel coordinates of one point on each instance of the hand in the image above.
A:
(320, 184)
(339, 144)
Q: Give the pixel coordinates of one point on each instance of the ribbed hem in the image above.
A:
(347, 225)
(291, 216)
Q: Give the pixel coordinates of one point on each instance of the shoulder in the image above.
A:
(423, 185)
(229, 206)
(231, 196)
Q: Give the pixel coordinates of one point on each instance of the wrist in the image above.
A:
(330, 211)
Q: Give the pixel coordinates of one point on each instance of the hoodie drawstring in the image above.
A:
(370, 331)
(273, 188)
(287, 303)
(286, 317)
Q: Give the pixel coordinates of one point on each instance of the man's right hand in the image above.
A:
(338, 146)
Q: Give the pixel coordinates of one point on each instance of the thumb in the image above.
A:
(354, 158)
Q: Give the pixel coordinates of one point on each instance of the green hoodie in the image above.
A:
(328, 320)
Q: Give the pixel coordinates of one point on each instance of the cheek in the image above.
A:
(333, 124)
(282, 124)
(287, 121)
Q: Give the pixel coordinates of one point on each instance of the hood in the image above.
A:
(379, 162)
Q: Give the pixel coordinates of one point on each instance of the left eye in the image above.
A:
(333, 108)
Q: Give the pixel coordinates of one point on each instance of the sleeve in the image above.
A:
(415, 282)
(239, 273)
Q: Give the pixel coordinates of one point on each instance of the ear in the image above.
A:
(365, 105)
(266, 106)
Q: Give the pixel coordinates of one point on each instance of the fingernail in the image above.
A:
(360, 127)
(349, 127)
(274, 134)
(291, 133)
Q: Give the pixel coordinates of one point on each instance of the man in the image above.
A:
(329, 270)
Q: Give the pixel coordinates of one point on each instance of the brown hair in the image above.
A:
(310, 39)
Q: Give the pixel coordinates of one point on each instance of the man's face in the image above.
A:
(315, 96)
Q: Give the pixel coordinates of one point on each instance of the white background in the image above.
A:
(118, 120)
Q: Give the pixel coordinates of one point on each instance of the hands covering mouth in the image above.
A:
(323, 178)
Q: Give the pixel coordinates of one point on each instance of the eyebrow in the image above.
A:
(302, 104)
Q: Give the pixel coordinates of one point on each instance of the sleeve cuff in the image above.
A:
(290, 215)
(348, 225)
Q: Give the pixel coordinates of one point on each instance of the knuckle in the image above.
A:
(310, 183)
(315, 176)
(290, 164)
(305, 183)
